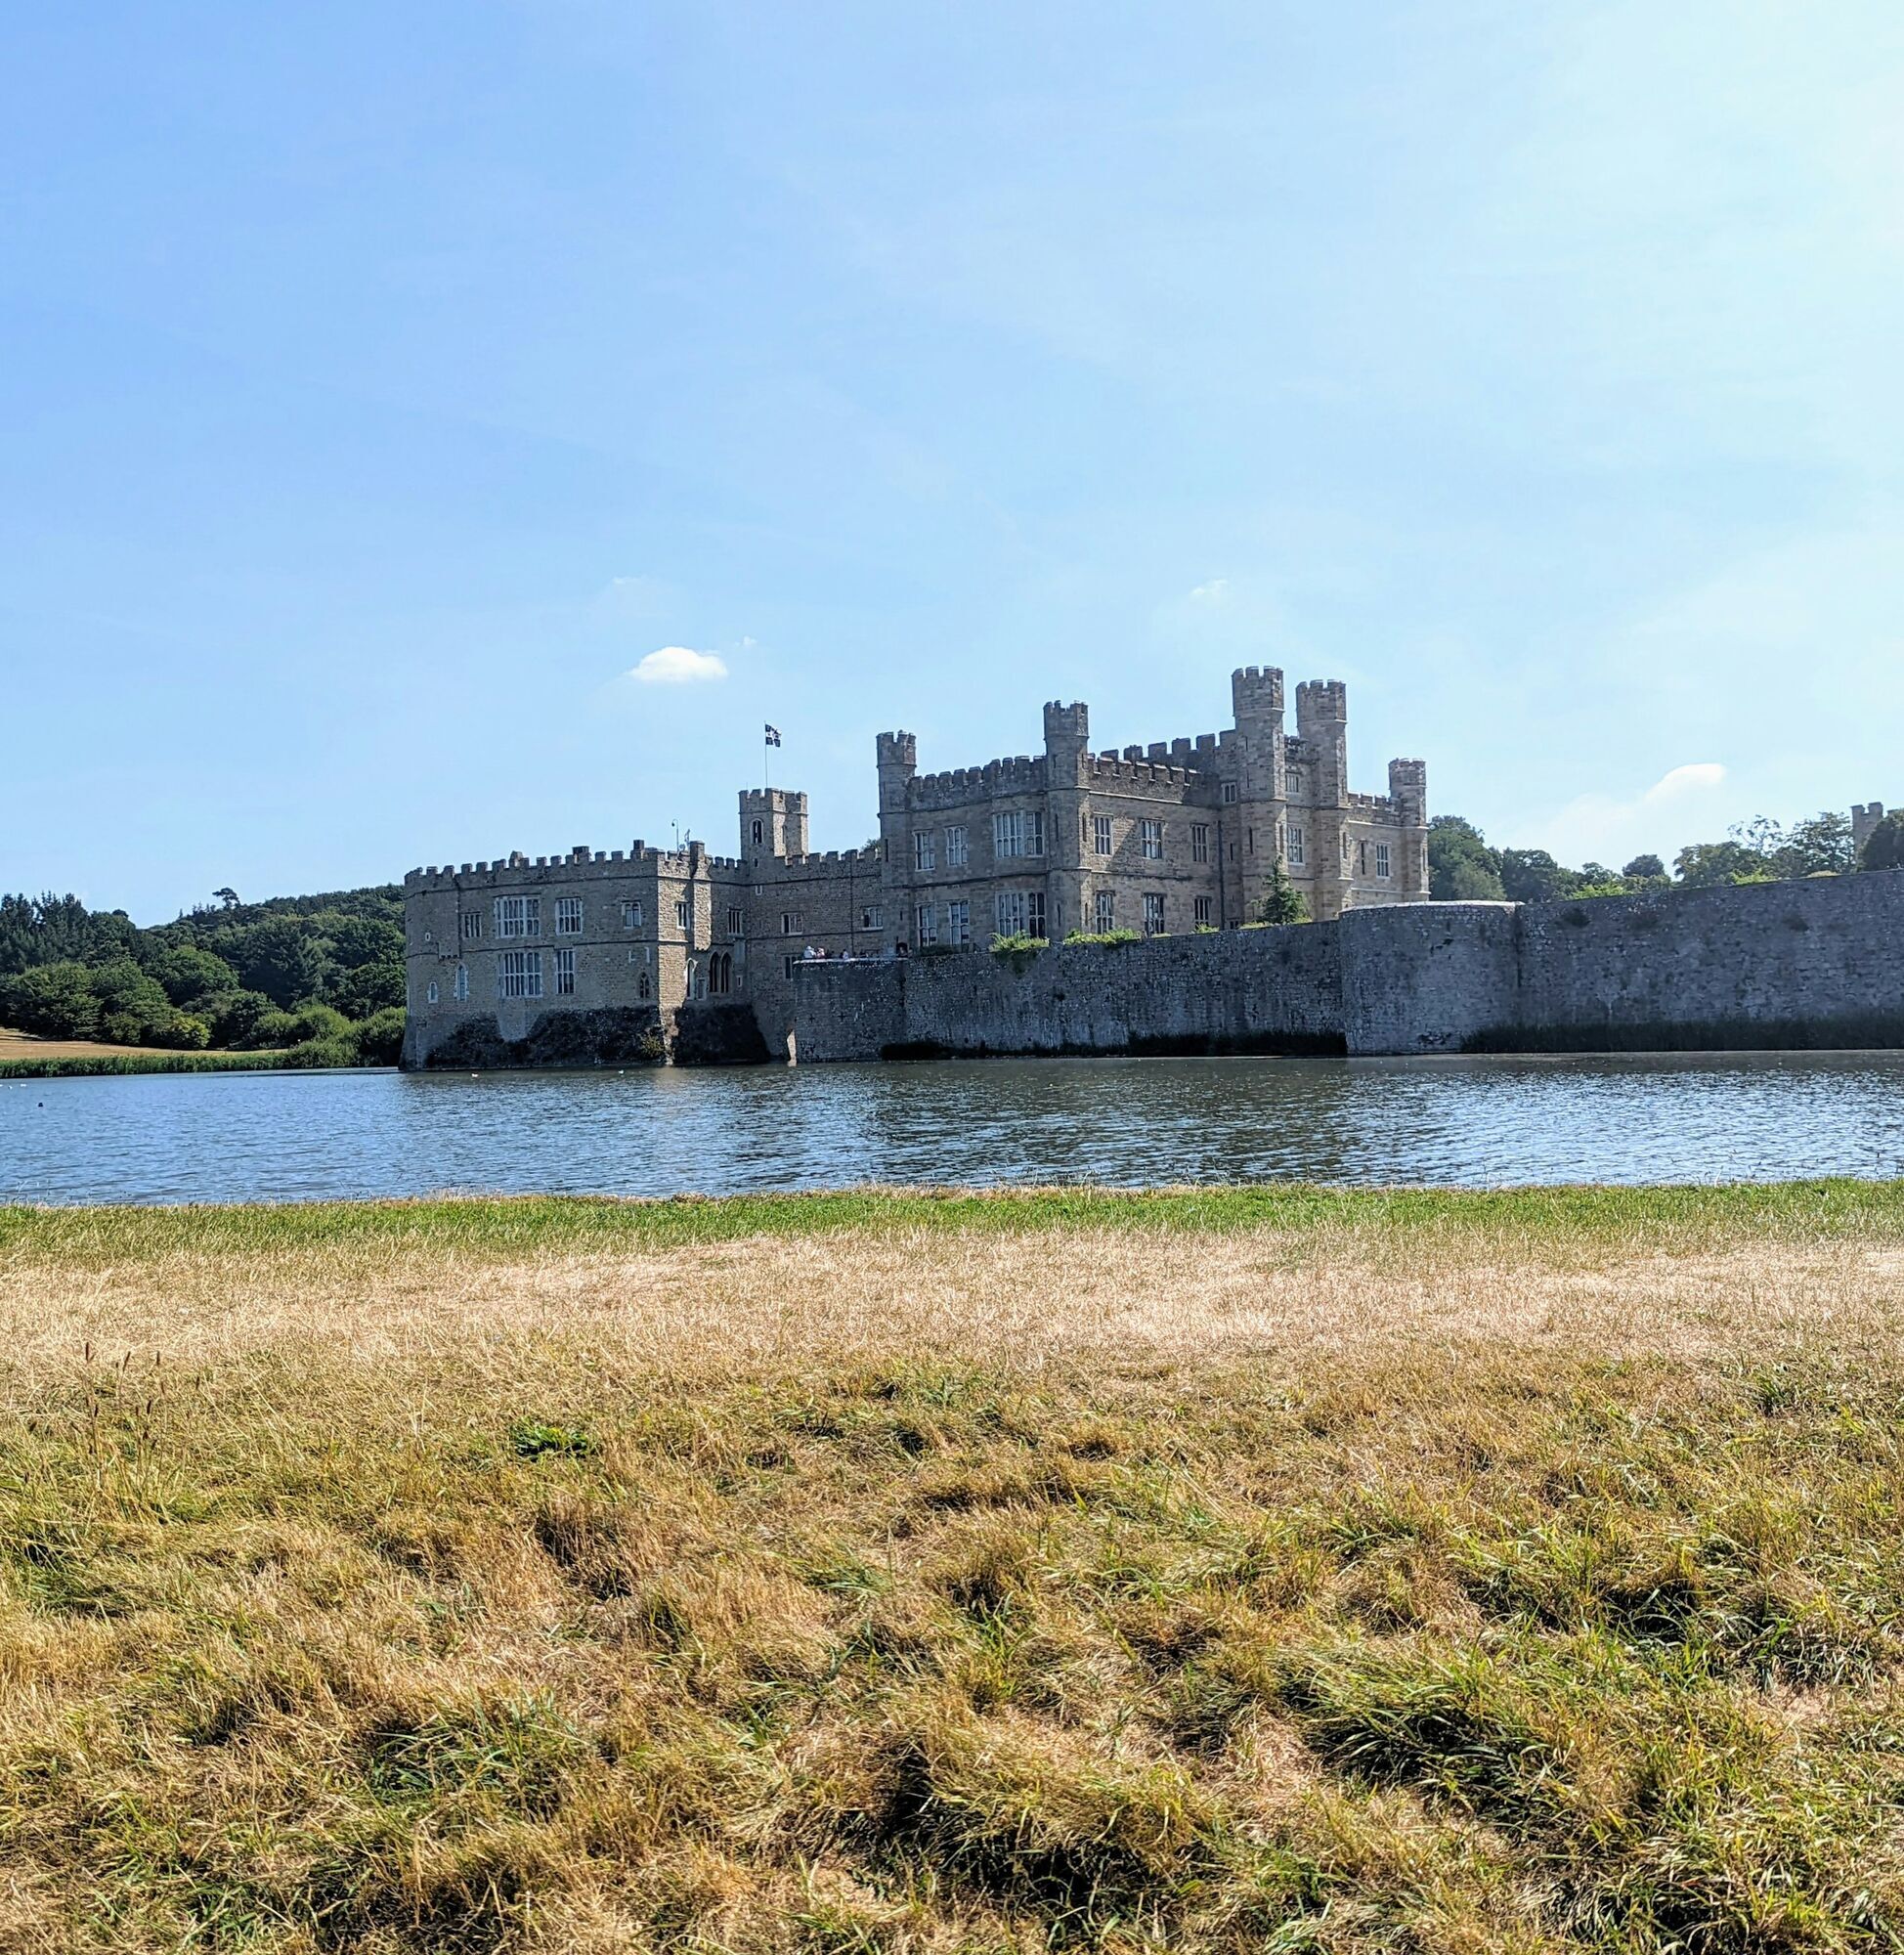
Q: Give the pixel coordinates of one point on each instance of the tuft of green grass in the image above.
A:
(1533, 1219)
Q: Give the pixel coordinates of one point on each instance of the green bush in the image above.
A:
(1019, 944)
(235, 1017)
(1103, 936)
(315, 1053)
(381, 1038)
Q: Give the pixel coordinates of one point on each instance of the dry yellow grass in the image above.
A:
(1365, 1573)
(26, 1045)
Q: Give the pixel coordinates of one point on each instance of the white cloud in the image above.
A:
(1604, 828)
(1214, 593)
(676, 665)
(1695, 774)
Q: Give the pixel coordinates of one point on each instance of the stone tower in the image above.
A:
(1068, 753)
(1253, 832)
(773, 822)
(897, 756)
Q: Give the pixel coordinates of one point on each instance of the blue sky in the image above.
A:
(380, 384)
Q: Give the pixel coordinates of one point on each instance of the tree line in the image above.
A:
(318, 978)
(1463, 867)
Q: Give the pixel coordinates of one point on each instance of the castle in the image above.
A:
(1865, 817)
(598, 957)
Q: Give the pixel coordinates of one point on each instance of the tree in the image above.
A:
(189, 975)
(1533, 875)
(1713, 865)
(369, 989)
(1461, 867)
(1644, 869)
(51, 1000)
(225, 899)
(1884, 846)
(1819, 847)
(279, 957)
(1282, 900)
(357, 940)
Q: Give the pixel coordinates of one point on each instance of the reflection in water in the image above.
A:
(305, 1136)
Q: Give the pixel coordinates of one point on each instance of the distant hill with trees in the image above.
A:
(317, 978)
(1463, 867)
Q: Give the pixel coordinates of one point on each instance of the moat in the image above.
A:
(289, 1136)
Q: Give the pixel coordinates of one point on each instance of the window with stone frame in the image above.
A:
(1382, 859)
(568, 916)
(565, 973)
(469, 924)
(1104, 912)
(519, 973)
(1153, 913)
(957, 847)
(1296, 846)
(1151, 839)
(924, 851)
(683, 913)
(631, 914)
(1102, 841)
(462, 984)
(958, 924)
(924, 923)
(1201, 916)
(518, 916)
(1199, 840)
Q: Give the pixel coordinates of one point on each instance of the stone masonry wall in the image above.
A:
(1813, 963)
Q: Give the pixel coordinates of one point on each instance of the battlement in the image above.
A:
(1066, 727)
(1134, 769)
(1256, 692)
(1865, 817)
(1020, 774)
(1322, 702)
(579, 864)
(897, 753)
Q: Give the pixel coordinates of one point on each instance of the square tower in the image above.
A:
(773, 822)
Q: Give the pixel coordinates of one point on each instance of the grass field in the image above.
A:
(1215, 1571)
(25, 1057)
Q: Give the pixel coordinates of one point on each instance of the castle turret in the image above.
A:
(773, 822)
(1253, 826)
(1408, 789)
(1067, 757)
(1322, 728)
(898, 762)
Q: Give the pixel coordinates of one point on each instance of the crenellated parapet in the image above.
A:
(1022, 773)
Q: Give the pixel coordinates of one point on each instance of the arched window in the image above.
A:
(641, 987)
(759, 829)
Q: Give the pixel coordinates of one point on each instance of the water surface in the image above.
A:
(289, 1136)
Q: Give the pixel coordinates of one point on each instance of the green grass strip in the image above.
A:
(1676, 1216)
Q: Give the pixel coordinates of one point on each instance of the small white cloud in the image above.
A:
(676, 665)
(1214, 594)
(1601, 827)
(1696, 774)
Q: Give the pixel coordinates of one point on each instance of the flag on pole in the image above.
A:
(773, 736)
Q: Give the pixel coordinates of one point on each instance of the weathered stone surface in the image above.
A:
(1813, 963)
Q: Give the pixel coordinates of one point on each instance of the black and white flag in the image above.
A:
(773, 736)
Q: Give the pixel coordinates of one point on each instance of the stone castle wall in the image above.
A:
(1812, 964)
